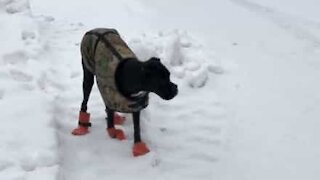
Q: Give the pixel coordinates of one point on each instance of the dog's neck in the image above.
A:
(130, 78)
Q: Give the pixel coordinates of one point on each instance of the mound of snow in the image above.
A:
(15, 6)
(185, 57)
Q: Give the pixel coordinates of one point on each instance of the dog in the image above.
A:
(124, 82)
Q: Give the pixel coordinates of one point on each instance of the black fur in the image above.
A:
(88, 80)
(133, 76)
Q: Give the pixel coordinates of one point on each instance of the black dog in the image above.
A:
(132, 78)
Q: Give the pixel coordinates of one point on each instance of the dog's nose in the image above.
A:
(175, 89)
(175, 86)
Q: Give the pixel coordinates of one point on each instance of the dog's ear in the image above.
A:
(154, 59)
(148, 69)
(152, 63)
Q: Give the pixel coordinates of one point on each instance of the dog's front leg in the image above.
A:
(136, 126)
(139, 148)
(112, 131)
(84, 117)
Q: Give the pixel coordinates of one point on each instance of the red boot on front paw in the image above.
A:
(80, 131)
(116, 133)
(118, 119)
(140, 149)
(83, 124)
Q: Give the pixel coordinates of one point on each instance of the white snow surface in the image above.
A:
(248, 103)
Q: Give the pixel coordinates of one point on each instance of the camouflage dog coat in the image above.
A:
(102, 50)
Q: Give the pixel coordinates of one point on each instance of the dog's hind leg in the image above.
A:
(139, 147)
(112, 131)
(110, 114)
(84, 117)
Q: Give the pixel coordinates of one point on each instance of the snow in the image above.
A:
(28, 141)
(248, 103)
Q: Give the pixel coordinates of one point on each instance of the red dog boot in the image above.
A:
(118, 119)
(116, 133)
(84, 124)
(139, 149)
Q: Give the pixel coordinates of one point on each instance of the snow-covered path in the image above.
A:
(186, 140)
(247, 71)
(272, 63)
(277, 99)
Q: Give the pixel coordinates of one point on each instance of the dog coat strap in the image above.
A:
(112, 49)
(106, 42)
(84, 124)
(139, 102)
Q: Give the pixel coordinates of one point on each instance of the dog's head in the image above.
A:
(157, 79)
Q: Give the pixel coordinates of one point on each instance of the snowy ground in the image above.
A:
(247, 109)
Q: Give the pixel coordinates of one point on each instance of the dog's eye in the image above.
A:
(164, 75)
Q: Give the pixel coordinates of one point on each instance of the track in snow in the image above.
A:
(299, 27)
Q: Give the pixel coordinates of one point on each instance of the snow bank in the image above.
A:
(28, 148)
(181, 53)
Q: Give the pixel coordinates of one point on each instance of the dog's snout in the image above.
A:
(174, 89)
(175, 86)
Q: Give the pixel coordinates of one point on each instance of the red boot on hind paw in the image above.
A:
(118, 119)
(84, 124)
(140, 149)
(116, 133)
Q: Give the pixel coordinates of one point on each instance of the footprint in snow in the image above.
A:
(20, 76)
(204, 157)
(76, 26)
(75, 75)
(45, 82)
(4, 164)
(29, 37)
(209, 141)
(215, 69)
(48, 18)
(25, 35)
(15, 57)
(13, 7)
(1, 93)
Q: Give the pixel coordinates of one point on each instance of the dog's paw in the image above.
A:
(116, 133)
(140, 149)
(118, 119)
(80, 131)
